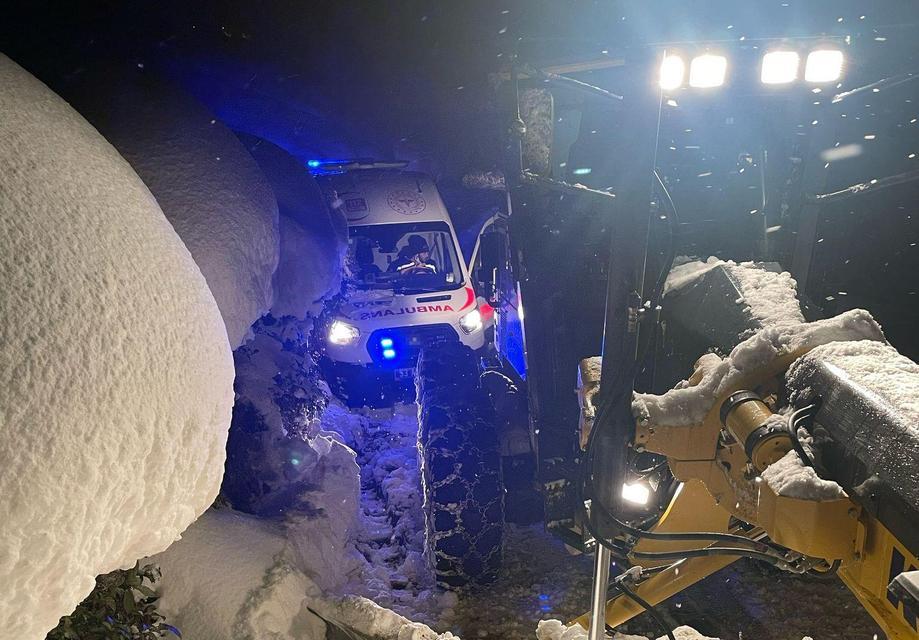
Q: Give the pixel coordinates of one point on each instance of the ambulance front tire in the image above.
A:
(461, 473)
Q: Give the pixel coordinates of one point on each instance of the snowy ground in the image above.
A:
(541, 580)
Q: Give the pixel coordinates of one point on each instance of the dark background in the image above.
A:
(413, 80)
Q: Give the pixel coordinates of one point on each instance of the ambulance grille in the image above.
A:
(407, 343)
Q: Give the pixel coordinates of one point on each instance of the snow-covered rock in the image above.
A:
(209, 187)
(314, 237)
(116, 388)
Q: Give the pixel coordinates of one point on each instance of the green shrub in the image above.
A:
(122, 606)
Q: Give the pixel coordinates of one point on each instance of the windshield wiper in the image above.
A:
(414, 290)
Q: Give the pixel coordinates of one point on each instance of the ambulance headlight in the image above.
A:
(342, 333)
(637, 493)
(472, 321)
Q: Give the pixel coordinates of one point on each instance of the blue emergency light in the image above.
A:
(389, 352)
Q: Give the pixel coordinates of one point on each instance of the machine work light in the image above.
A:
(707, 71)
(637, 493)
(823, 65)
(672, 71)
(780, 67)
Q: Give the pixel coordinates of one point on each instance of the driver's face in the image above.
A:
(423, 255)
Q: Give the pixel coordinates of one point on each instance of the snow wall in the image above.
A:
(209, 187)
(116, 389)
(314, 237)
(269, 591)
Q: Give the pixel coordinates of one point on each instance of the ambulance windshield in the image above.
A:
(405, 257)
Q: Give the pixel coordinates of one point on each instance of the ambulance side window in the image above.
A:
(491, 260)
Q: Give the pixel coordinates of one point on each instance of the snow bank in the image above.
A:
(875, 366)
(314, 237)
(236, 576)
(116, 388)
(687, 405)
(370, 620)
(556, 630)
(278, 452)
(233, 576)
(209, 187)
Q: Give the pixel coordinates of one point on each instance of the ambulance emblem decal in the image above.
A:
(406, 202)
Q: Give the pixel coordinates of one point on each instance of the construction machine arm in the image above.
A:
(730, 463)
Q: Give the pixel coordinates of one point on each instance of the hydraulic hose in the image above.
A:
(647, 606)
(793, 421)
(715, 551)
(673, 220)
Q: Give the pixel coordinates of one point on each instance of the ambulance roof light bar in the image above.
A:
(353, 164)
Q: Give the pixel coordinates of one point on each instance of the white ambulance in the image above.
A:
(408, 284)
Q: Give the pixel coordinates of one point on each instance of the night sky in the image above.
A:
(411, 79)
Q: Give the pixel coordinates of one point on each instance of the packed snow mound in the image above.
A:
(314, 237)
(874, 366)
(117, 384)
(770, 297)
(687, 405)
(556, 630)
(236, 576)
(209, 187)
(232, 576)
(369, 620)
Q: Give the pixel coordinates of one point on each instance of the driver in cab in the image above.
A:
(414, 258)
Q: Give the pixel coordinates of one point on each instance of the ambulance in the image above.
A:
(407, 283)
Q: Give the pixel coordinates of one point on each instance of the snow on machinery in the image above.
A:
(683, 483)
